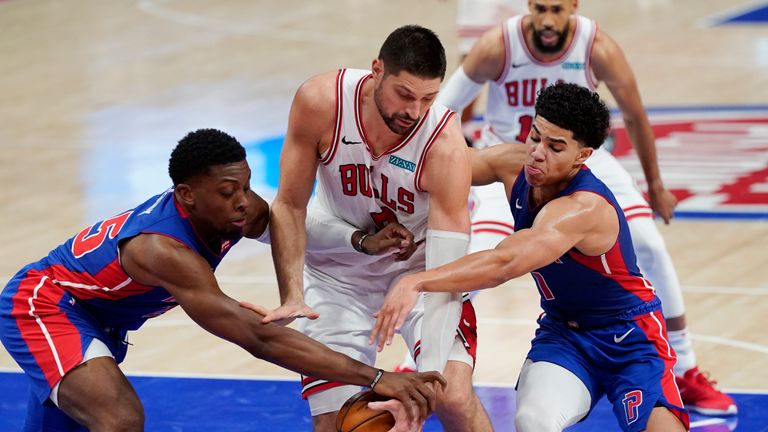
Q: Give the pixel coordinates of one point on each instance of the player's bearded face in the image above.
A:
(398, 122)
(550, 40)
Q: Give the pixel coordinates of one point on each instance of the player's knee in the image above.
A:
(530, 419)
(127, 416)
(324, 422)
(458, 394)
(455, 399)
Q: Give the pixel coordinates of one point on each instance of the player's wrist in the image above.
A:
(358, 241)
(377, 378)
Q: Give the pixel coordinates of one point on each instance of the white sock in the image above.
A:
(681, 343)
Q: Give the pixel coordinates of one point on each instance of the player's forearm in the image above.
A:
(480, 270)
(299, 353)
(288, 234)
(641, 136)
(327, 233)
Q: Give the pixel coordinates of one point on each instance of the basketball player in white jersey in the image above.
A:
(473, 19)
(553, 44)
(382, 152)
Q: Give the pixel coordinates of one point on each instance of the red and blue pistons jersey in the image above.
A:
(88, 264)
(581, 290)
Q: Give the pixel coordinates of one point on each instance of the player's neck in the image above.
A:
(540, 195)
(378, 135)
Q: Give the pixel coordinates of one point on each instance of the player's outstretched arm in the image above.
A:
(501, 162)
(157, 260)
(610, 66)
(562, 224)
(311, 117)
(485, 62)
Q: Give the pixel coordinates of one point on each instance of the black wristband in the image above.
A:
(377, 378)
(359, 245)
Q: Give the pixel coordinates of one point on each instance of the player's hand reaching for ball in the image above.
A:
(398, 303)
(415, 391)
(283, 315)
(394, 238)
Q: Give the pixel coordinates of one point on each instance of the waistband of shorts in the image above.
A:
(594, 322)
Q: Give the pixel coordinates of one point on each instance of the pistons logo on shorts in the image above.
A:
(632, 401)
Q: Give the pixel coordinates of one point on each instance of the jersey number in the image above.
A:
(383, 218)
(84, 243)
(526, 121)
(543, 287)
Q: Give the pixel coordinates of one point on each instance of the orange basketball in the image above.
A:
(355, 416)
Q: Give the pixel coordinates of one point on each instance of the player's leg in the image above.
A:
(49, 336)
(97, 394)
(699, 393)
(458, 407)
(344, 325)
(640, 383)
(663, 420)
(549, 398)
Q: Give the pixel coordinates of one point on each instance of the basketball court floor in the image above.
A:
(94, 95)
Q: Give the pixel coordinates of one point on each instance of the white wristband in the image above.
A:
(327, 233)
(458, 91)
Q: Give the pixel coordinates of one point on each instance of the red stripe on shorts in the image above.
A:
(51, 338)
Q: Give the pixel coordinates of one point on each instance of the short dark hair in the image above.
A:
(576, 109)
(414, 49)
(200, 150)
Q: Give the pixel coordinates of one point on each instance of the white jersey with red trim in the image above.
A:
(512, 97)
(368, 190)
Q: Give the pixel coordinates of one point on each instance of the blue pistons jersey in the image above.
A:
(87, 266)
(580, 290)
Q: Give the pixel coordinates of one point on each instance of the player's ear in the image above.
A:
(377, 68)
(184, 194)
(584, 153)
(574, 6)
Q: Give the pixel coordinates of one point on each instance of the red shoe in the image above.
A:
(700, 395)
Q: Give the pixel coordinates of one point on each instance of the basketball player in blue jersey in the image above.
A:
(64, 318)
(553, 43)
(602, 331)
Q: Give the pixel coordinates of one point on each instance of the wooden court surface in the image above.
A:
(95, 94)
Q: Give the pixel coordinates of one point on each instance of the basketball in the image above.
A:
(355, 416)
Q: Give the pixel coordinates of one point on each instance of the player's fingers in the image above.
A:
(308, 312)
(393, 324)
(261, 310)
(421, 403)
(376, 327)
(385, 318)
(435, 377)
(427, 394)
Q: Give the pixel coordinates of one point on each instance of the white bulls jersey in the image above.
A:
(512, 98)
(367, 190)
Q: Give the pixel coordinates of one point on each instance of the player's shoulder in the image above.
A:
(319, 91)
(604, 46)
